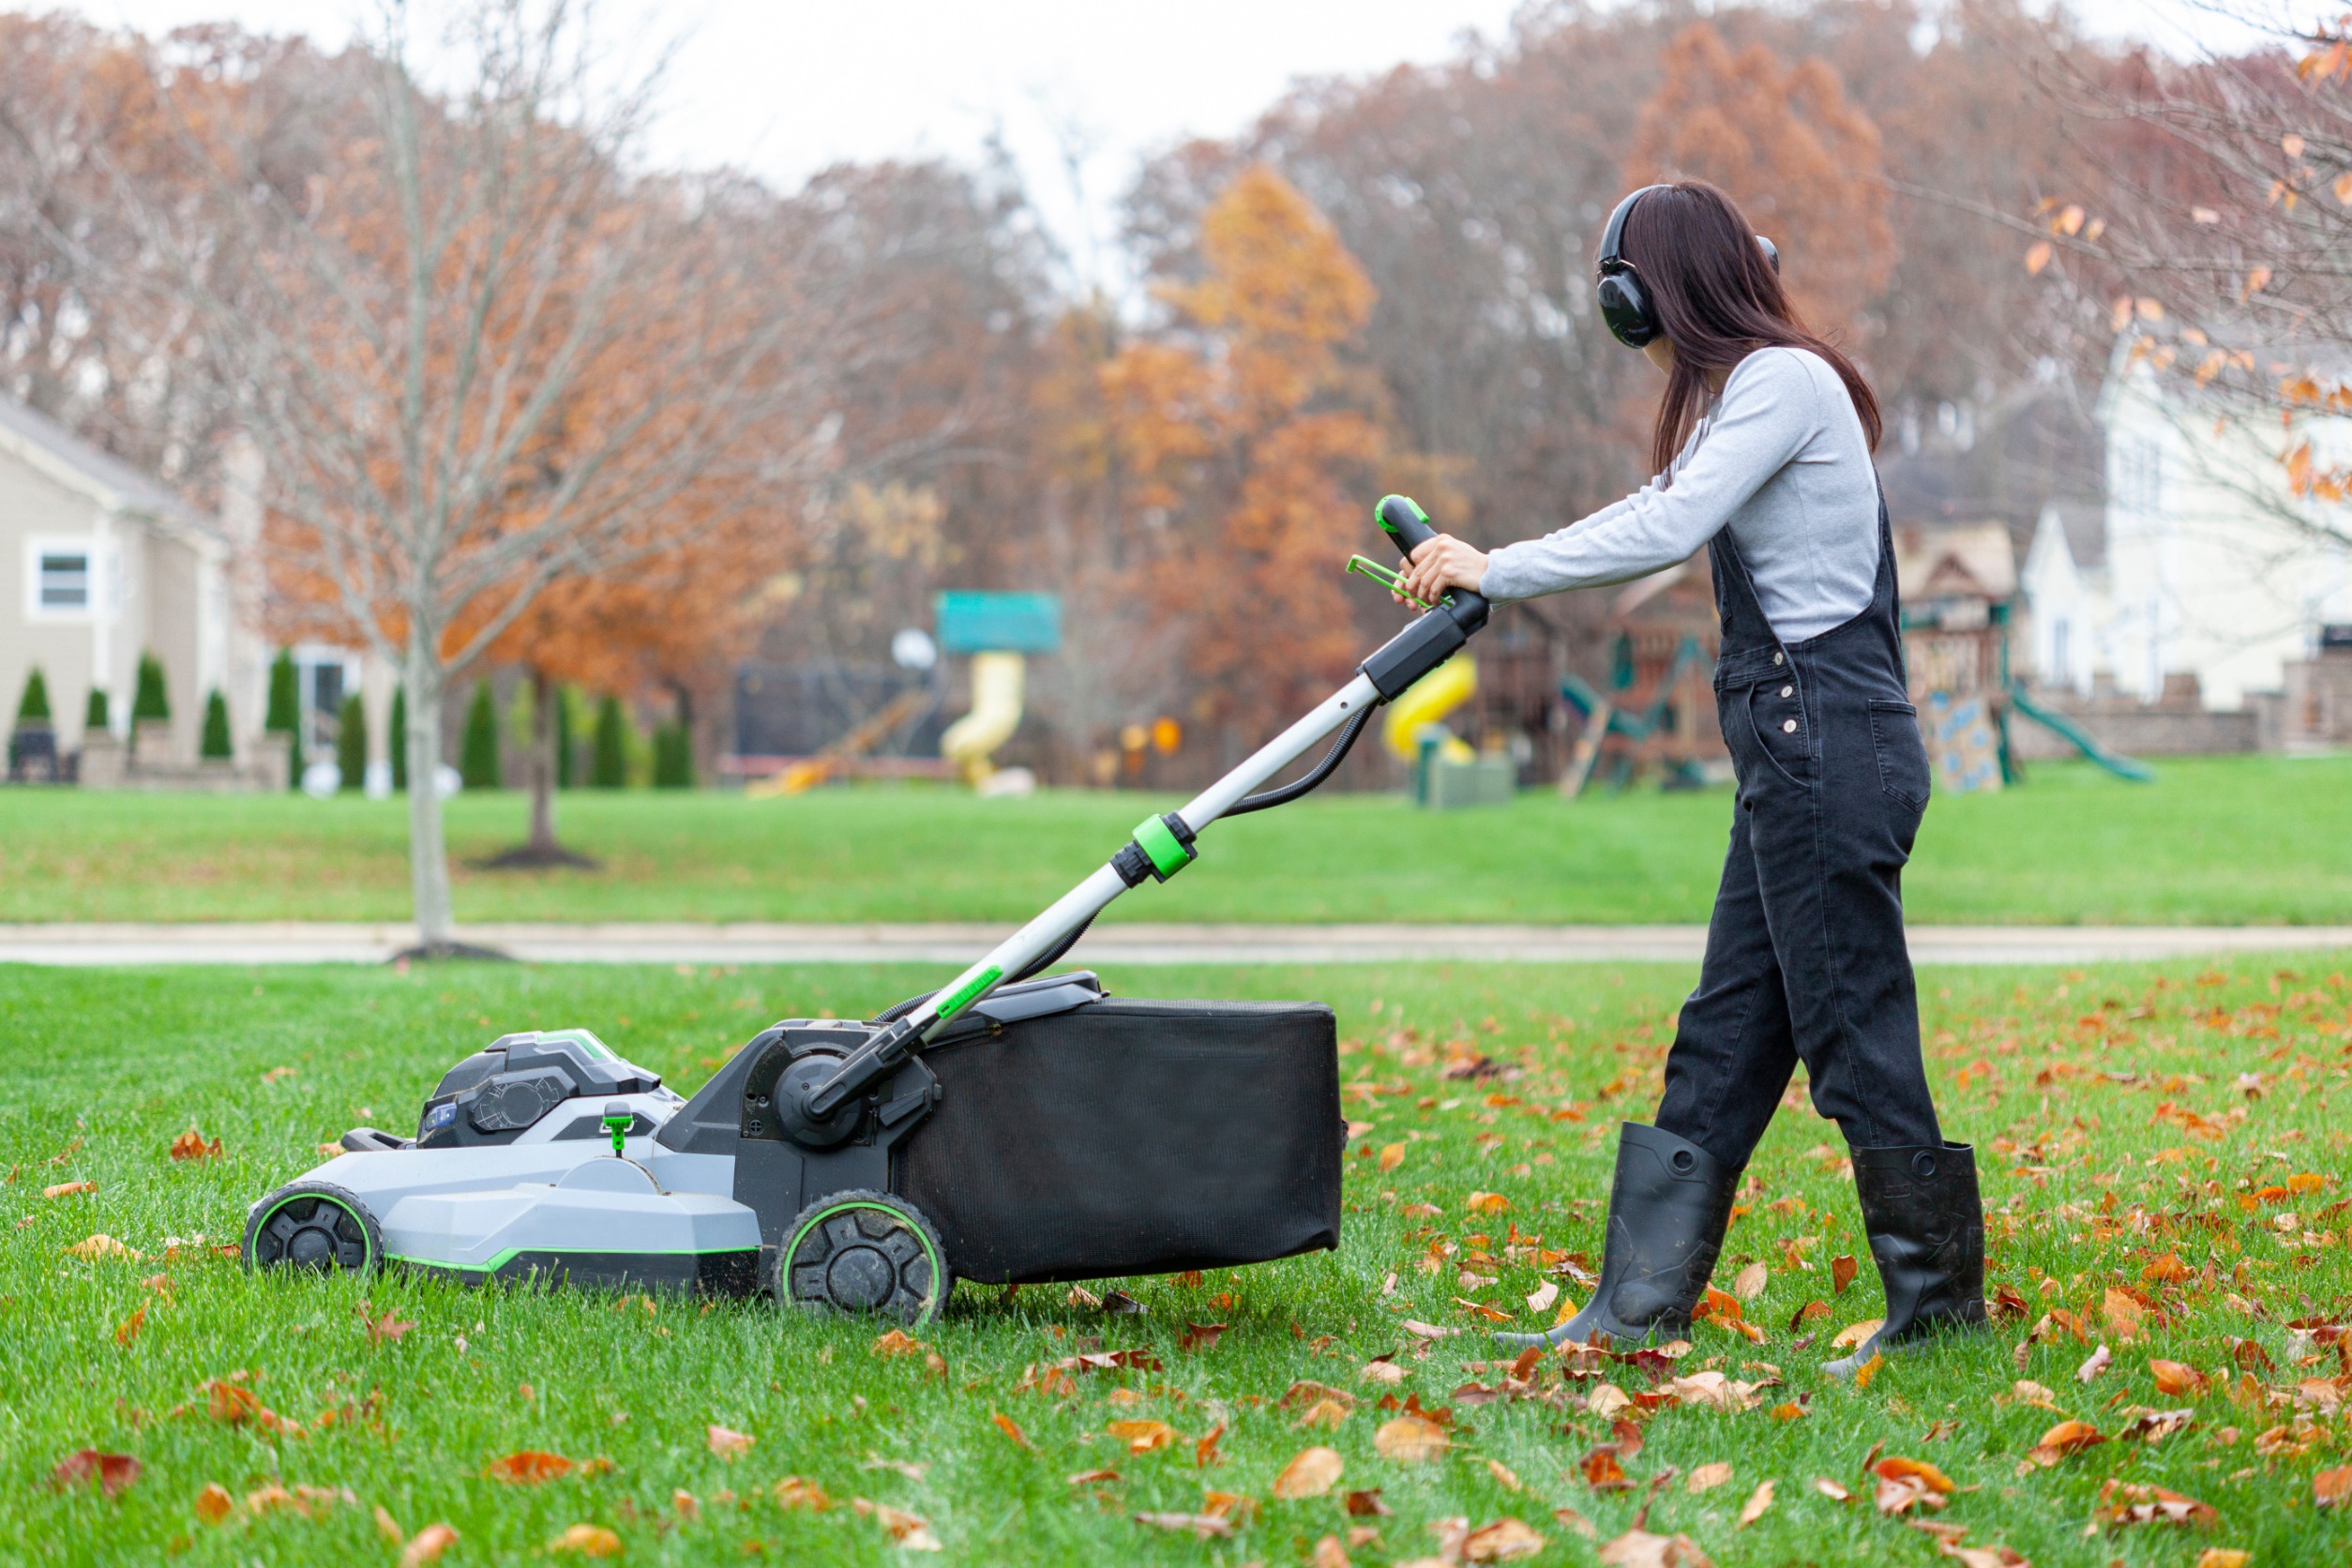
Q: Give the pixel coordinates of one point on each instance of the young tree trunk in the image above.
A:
(428, 850)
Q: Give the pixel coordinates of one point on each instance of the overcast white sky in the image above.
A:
(784, 87)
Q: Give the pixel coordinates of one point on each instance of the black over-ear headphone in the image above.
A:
(1624, 306)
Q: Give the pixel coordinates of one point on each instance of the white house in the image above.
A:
(2064, 581)
(2212, 565)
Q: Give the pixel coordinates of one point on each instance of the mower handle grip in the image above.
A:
(1409, 528)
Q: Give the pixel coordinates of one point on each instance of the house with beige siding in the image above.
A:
(100, 562)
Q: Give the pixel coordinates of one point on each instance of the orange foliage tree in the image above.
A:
(1249, 440)
(1783, 140)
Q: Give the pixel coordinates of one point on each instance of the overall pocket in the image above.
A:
(1895, 736)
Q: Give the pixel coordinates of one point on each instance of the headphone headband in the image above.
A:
(1613, 236)
(1624, 306)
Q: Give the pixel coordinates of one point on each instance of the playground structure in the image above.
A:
(1658, 715)
(998, 631)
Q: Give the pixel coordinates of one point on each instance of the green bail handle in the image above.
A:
(1392, 581)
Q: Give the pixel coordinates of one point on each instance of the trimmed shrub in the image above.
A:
(32, 707)
(673, 757)
(609, 764)
(94, 713)
(283, 717)
(566, 765)
(398, 739)
(216, 743)
(351, 742)
(477, 759)
(151, 700)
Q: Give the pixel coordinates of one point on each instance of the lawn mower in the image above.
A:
(1010, 1127)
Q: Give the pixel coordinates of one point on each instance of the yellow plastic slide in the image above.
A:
(997, 687)
(1438, 694)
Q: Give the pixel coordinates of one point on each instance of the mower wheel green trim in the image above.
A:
(857, 1253)
(313, 1224)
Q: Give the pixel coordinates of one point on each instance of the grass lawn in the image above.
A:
(2220, 840)
(2162, 1157)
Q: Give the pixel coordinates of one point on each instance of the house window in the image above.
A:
(2060, 666)
(64, 580)
(61, 579)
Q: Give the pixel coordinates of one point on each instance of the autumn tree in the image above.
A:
(1783, 141)
(1247, 430)
(480, 358)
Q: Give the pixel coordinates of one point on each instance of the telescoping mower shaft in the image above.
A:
(1163, 845)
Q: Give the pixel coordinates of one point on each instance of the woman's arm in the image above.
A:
(1769, 409)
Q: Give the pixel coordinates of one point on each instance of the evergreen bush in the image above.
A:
(216, 743)
(351, 742)
(283, 717)
(32, 707)
(396, 738)
(673, 757)
(477, 759)
(151, 700)
(94, 713)
(609, 765)
(566, 765)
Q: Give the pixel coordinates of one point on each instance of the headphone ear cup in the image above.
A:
(1626, 310)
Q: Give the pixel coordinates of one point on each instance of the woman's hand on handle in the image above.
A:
(1439, 563)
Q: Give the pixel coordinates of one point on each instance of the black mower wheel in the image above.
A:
(855, 1253)
(313, 1224)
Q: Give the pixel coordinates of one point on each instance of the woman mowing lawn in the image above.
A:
(1762, 446)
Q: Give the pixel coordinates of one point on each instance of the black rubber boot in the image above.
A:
(1926, 1229)
(1668, 1206)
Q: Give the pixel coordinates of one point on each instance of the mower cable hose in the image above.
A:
(1322, 770)
(1053, 956)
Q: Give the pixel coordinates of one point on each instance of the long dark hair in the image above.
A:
(1719, 300)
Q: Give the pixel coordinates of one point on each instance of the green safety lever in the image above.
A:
(618, 1119)
(1392, 581)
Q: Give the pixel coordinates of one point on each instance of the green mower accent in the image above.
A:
(1169, 855)
(968, 991)
(1392, 581)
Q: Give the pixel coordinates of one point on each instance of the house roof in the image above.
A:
(107, 479)
(2083, 525)
(1958, 560)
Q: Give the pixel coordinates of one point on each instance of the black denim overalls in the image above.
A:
(1805, 952)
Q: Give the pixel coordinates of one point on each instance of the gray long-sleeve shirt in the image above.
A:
(1781, 458)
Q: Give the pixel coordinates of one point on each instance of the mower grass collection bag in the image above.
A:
(1129, 1137)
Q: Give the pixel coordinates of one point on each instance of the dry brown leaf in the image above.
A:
(1568, 1518)
(1842, 1271)
(2173, 1378)
(1087, 1477)
(1854, 1334)
(2066, 1438)
(897, 1342)
(1487, 1204)
(1392, 1155)
(2331, 1488)
(1329, 1553)
(1366, 1504)
(1539, 1301)
(213, 1503)
(430, 1542)
(1606, 1399)
(1759, 1501)
(2094, 1364)
(1006, 1425)
(1410, 1439)
(588, 1540)
(1638, 1548)
(1788, 1410)
(68, 1189)
(1204, 1452)
(793, 1492)
(1201, 1524)
(527, 1467)
(726, 1443)
(191, 1145)
(1310, 1475)
(2225, 1556)
(1832, 1490)
(1713, 1391)
(1142, 1436)
(1708, 1476)
(1198, 1337)
(1894, 1469)
(92, 1248)
(1505, 1477)
(1501, 1541)
(1749, 1284)
(1384, 1372)
(127, 1330)
(384, 1330)
(1603, 1471)
(112, 1472)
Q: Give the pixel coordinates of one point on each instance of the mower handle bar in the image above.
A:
(1426, 642)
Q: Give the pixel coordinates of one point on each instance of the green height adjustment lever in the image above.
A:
(618, 1119)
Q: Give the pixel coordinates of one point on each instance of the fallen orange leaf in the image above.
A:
(1410, 1439)
(1501, 1541)
(2330, 1487)
(191, 1145)
(726, 1443)
(112, 1472)
(1488, 1203)
(528, 1467)
(793, 1492)
(588, 1540)
(2174, 1378)
(213, 1503)
(67, 1189)
(911, 1531)
(127, 1330)
(1310, 1475)
(1142, 1436)
(1006, 1425)
(430, 1542)
(1842, 1271)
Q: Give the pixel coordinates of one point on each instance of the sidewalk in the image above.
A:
(295, 941)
